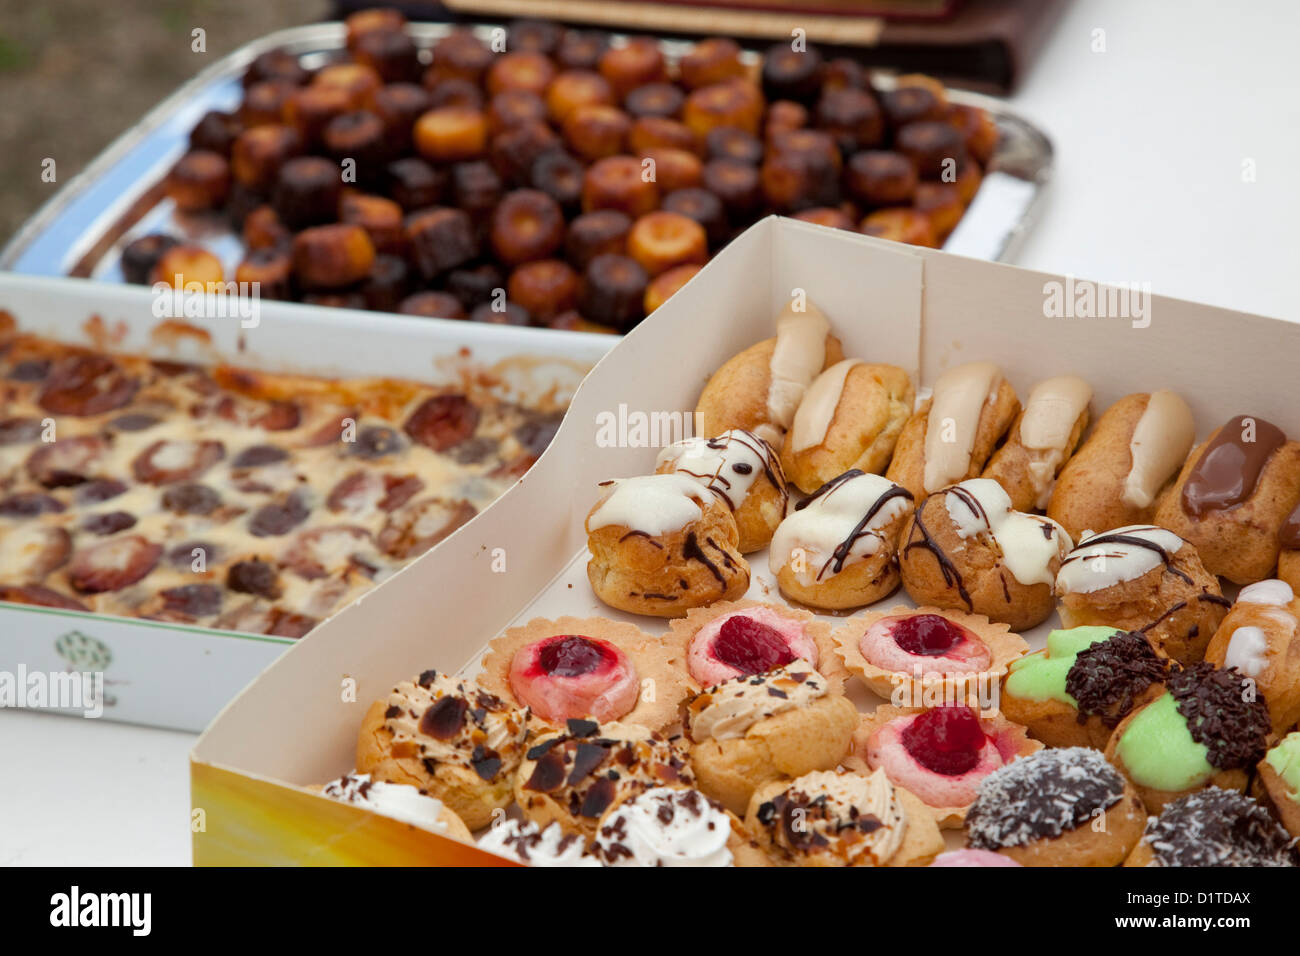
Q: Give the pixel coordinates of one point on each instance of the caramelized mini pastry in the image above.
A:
(1233, 495)
(307, 192)
(662, 545)
(912, 104)
(850, 418)
(309, 109)
(660, 240)
(674, 169)
(1075, 693)
(663, 100)
(702, 206)
(476, 189)
(940, 755)
(749, 731)
(513, 107)
(414, 184)
(728, 142)
(451, 134)
(400, 801)
(942, 203)
(388, 284)
(831, 218)
(183, 264)
(381, 218)
(139, 256)
(449, 738)
(258, 154)
(432, 305)
(933, 146)
(1042, 810)
(441, 239)
(737, 184)
(1260, 639)
(1134, 449)
(378, 20)
(744, 471)
(475, 285)
(585, 668)
(573, 777)
(709, 61)
(560, 176)
(1200, 731)
(399, 105)
(527, 225)
(264, 102)
(277, 64)
(390, 53)
(801, 170)
(535, 36)
(901, 225)
(852, 116)
(1279, 778)
(735, 103)
(1041, 441)
(263, 230)
(782, 117)
(461, 55)
(637, 62)
(665, 285)
(357, 80)
(840, 818)
(545, 287)
(271, 268)
(360, 136)
(216, 132)
(1143, 578)
(597, 130)
(581, 49)
(618, 182)
(330, 257)
(913, 656)
(521, 70)
(953, 434)
(596, 233)
(966, 547)
(839, 548)
(613, 290)
(573, 89)
(978, 128)
(199, 181)
(792, 74)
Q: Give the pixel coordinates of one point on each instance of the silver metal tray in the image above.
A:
(82, 229)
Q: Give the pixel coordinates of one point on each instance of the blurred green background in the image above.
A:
(74, 74)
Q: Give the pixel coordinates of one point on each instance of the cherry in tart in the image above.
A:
(752, 641)
(573, 676)
(930, 641)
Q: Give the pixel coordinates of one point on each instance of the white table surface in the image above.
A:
(1151, 137)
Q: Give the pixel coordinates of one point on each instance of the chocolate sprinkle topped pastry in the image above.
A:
(1107, 678)
(1217, 827)
(1231, 724)
(1041, 795)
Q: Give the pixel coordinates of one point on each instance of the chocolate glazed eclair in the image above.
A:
(1233, 497)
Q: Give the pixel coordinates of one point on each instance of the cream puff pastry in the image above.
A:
(1214, 827)
(839, 548)
(967, 548)
(397, 800)
(1134, 450)
(953, 433)
(1041, 440)
(663, 544)
(741, 469)
(1260, 638)
(849, 418)
(1143, 578)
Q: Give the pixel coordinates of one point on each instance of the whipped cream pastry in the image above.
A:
(397, 800)
(1029, 543)
(666, 826)
(813, 419)
(846, 814)
(1248, 646)
(728, 710)
(1160, 443)
(840, 524)
(959, 398)
(528, 843)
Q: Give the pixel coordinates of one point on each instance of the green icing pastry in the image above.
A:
(1158, 749)
(1041, 676)
(1285, 761)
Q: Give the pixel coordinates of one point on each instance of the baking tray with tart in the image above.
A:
(473, 171)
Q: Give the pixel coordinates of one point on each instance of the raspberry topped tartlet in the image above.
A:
(572, 777)
(914, 649)
(741, 638)
(940, 755)
(586, 668)
(841, 818)
(448, 737)
(756, 728)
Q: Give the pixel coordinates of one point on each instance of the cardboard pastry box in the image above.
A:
(923, 310)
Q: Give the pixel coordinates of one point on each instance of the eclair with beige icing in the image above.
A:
(760, 388)
(1260, 638)
(1041, 441)
(952, 435)
(850, 417)
(1133, 451)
